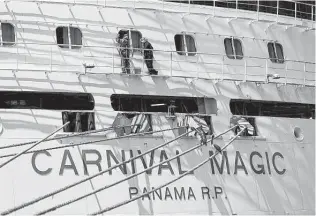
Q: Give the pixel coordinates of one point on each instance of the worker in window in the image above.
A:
(124, 52)
(148, 55)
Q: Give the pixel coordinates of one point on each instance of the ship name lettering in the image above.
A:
(92, 160)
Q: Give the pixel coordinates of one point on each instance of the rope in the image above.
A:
(37, 143)
(125, 179)
(166, 184)
(66, 136)
(115, 183)
(9, 211)
(95, 141)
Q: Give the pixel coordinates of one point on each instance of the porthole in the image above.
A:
(298, 133)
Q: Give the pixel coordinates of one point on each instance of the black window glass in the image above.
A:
(272, 108)
(146, 103)
(46, 100)
(8, 34)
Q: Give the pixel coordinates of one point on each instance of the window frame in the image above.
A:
(234, 55)
(70, 46)
(132, 49)
(8, 44)
(185, 51)
(276, 59)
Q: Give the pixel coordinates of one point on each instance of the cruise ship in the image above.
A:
(147, 107)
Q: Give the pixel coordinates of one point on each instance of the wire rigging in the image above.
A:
(66, 136)
(127, 178)
(9, 211)
(95, 141)
(170, 182)
(37, 143)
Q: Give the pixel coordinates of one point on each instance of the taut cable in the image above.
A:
(168, 183)
(88, 178)
(37, 143)
(95, 141)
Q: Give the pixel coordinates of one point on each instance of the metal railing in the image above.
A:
(298, 10)
(106, 60)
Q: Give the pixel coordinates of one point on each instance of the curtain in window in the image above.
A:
(271, 51)
(229, 48)
(238, 49)
(8, 34)
(190, 45)
(179, 42)
(76, 38)
(136, 36)
(65, 37)
(59, 35)
(279, 52)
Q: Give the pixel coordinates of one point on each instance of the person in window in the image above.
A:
(124, 52)
(148, 55)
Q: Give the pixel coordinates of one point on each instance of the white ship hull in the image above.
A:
(272, 173)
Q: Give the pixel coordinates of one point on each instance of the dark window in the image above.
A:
(8, 34)
(233, 48)
(46, 100)
(79, 121)
(272, 109)
(275, 52)
(69, 37)
(185, 44)
(148, 103)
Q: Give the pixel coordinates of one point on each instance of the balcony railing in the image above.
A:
(291, 8)
(106, 60)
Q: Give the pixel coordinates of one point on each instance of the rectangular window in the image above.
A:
(131, 123)
(69, 37)
(79, 121)
(185, 44)
(150, 103)
(246, 123)
(196, 121)
(275, 52)
(134, 37)
(233, 48)
(46, 100)
(272, 109)
(7, 34)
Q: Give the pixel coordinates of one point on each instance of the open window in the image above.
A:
(132, 123)
(185, 44)
(134, 37)
(233, 48)
(7, 34)
(79, 121)
(247, 124)
(153, 103)
(276, 52)
(46, 100)
(69, 37)
(203, 122)
(272, 109)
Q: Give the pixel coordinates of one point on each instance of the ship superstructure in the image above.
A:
(227, 126)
